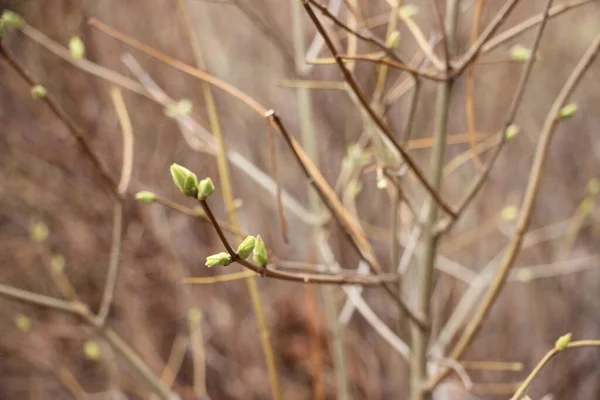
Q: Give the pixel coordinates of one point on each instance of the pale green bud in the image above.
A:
(12, 20)
(39, 232)
(206, 187)
(509, 213)
(218, 260)
(185, 180)
(563, 342)
(526, 397)
(245, 248)
(260, 252)
(194, 316)
(91, 350)
(520, 53)
(182, 107)
(77, 48)
(567, 111)
(512, 131)
(593, 187)
(57, 263)
(393, 40)
(382, 183)
(407, 11)
(23, 322)
(38, 92)
(145, 197)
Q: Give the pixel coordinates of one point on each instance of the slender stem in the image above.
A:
(367, 280)
(117, 233)
(529, 201)
(470, 88)
(75, 130)
(545, 360)
(394, 64)
(429, 238)
(530, 23)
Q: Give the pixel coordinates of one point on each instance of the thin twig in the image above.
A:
(573, 345)
(393, 64)
(75, 130)
(530, 23)
(369, 280)
(531, 192)
(178, 350)
(117, 233)
(470, 89)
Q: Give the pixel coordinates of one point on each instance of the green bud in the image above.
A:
(512, 131)
(91, 350)
(206, 187)
(57, 263)
(563, 342)
(194, 316)
(218, 260)
(407, 11)
(38, 92)
(182, 107)
(12, 20)
(38, 232)
(520, 53)
(245, 248)
(593, 187)
(567, 111)
(393, 40)
(23, 322)
(185, 180)
(145, 197)
(587, 205)
(509, 213)
(526, 397)
(260, 252)
(77, 48)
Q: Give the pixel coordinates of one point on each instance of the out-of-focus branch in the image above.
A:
(82, 311)
(512, 113)
(529, 201)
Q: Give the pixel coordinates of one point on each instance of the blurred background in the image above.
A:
(54, 207)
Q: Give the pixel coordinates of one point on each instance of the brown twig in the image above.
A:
(393, 64)
(369, 280)
(470, 89)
